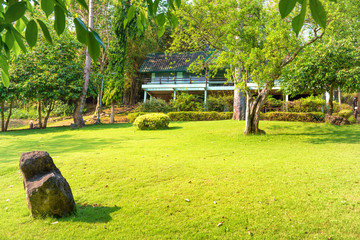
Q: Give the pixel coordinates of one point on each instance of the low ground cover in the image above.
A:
(300, 181)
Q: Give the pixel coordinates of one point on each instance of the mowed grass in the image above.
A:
(300, 181)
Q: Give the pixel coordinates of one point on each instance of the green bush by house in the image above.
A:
(294, 116)
(199, 116)
(152, 121)
(155, 105)
(188, 116)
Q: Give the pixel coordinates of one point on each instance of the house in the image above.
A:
(165, 75)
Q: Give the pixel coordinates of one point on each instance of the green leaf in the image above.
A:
(83, 4)
(47, 6)
(178, 3)
(174, 21)
(286, 6)
(93, 46)
(45, 30)
(298, 21)
(161, 31)
(31, 33)
(98, 39)
(155, 6)
(150, 6)
(19, 40)
(131, 13)
(9, 39)
(318, 13)
(171, 4)
(5, 78)
(160, 19)
(29, 6)
(4, 65)
(59, 23)
(15, 11)
(139, 23)
(81, 30)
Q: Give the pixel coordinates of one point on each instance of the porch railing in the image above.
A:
(189, 80)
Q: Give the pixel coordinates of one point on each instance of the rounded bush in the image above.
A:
(152, 121)
(345, 113)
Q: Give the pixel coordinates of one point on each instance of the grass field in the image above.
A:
(300, 181)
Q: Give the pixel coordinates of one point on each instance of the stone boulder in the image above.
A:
(47, 191)
(336, 120)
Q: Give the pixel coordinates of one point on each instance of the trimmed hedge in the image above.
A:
(199, 116)
(294, 116)
(189, 116)
(152, 121)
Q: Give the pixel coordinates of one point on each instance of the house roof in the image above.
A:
(174, 62)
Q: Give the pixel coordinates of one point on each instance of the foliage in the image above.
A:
(155, 105)
(220, 103)
(317, 11)
(345, 113)
(21, 113)
(248, 37)
(352, 119)
(294, 117)
(152, 121)
(188, 102)
(199, 116)
(15, 21)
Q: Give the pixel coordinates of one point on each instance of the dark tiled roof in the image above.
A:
(173, 62)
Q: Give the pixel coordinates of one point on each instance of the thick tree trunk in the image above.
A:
(78, 119)
(2, 116)
(112, 115)
(9, 116)
(253, 106)
(39, 113)
(331, 103)
(51, 107)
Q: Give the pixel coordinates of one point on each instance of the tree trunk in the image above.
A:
(253, 106)
(78, 119)
(97, 103)
(239, 99)
(51, 107)
(8, 117)
(331, 103)
(112, 116)
(39, 113)
(2, 116)
(339, 97)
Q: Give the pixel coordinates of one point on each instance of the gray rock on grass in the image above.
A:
(47, 191)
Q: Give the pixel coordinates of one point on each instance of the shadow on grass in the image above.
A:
(91, 214)
(323, 134)
(94, 127)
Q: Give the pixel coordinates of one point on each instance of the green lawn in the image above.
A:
(300, 181)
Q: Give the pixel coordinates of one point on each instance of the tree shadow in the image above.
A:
(93, 127)
(91, 213)
(349, 134)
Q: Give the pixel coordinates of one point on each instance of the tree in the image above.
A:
(15, 22)
(47, 74)
(247, 36)
(333, 62)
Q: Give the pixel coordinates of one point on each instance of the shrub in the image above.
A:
(62, 109)
(272, 104)
(220, 103)
(309, 104)
(294, 117)
(133, 116)
(199, 116)
(188, 102)
(352, 119)
(345, 113)
(21, 113)
(155, 105)
(152, 121)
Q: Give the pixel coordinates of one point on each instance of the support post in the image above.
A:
(174, 94)
(286, 102)
(145, 95)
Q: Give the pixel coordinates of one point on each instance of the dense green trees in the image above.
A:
(250, 38)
